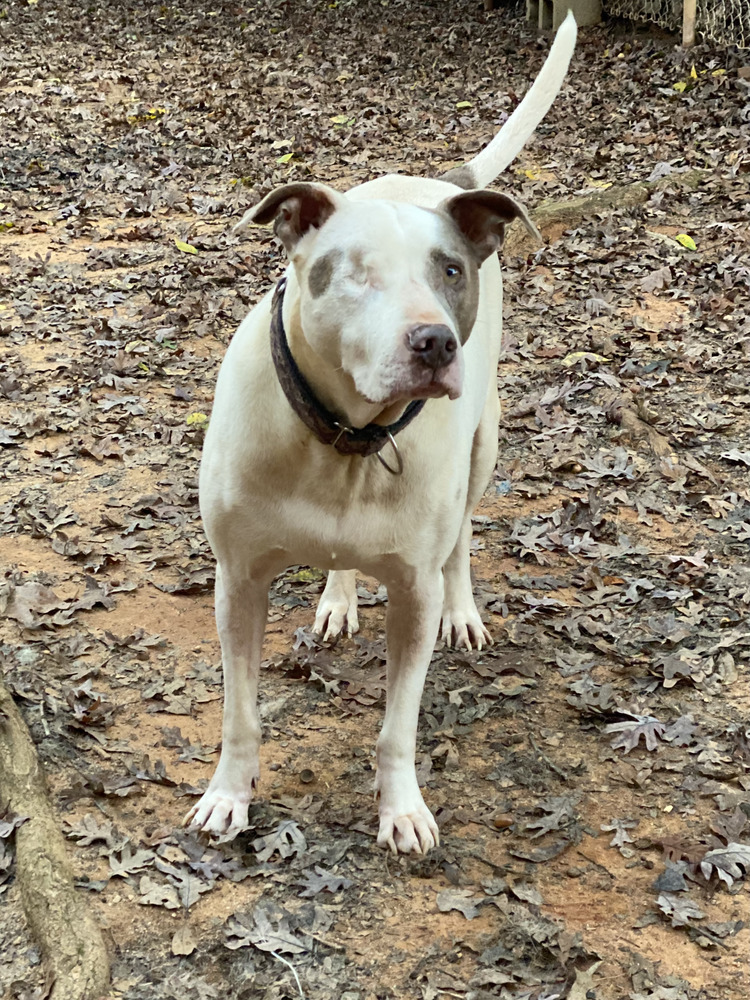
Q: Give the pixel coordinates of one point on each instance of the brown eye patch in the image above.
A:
(455, 280)
(321, 273)
(447, 269)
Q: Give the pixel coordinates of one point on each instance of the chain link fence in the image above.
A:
(724, 21)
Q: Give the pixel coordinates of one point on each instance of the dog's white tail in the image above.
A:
(514, 134)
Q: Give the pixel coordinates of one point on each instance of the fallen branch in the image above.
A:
(75, 956)
(554, 217)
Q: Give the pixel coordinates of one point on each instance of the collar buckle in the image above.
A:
(343, 429)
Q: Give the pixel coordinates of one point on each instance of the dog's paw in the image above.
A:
(411, 833)
(464, 629)
(218, 815)
(406, 824)
(222, 809)
(332, 620)
(337, 608)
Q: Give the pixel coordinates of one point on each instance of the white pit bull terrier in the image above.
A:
(355, 425)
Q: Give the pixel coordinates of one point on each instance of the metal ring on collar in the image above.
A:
(399, 460)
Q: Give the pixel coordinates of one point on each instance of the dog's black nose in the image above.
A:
(435, 344)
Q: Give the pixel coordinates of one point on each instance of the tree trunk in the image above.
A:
(71, 941)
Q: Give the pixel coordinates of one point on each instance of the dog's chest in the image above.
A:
(335, 521)
(338, 514)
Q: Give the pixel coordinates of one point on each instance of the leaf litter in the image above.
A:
(602, 743)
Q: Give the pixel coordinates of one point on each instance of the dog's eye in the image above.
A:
(452, 273)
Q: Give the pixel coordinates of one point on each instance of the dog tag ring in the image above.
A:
(399, 460)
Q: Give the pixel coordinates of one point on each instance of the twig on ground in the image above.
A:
(294, 971)
(550, 764)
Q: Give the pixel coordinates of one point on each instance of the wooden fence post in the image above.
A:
(688, 22)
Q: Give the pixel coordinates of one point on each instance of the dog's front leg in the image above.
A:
(406, 824)
(241, 611)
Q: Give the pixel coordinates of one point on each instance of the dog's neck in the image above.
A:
(331, 427)
(334, 388)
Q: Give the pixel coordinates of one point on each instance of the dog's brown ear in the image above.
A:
(482, 217)
(295, 209)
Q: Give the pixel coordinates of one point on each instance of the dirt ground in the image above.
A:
(591, 770)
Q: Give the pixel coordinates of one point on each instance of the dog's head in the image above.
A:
(388, 291)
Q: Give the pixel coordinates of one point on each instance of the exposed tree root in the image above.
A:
(554, 217)
(75, 955)
(624, 409)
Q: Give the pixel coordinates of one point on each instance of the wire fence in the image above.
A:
(723, 21)
(666, 13)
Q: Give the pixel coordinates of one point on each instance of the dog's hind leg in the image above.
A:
(414, 599)
(461, 624)
(241, 610)
(337, 607)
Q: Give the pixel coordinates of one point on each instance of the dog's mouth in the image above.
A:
(437, 388)
(434, 383)
(421, 382)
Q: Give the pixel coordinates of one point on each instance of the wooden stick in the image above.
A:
(688, 22)
(75, 956)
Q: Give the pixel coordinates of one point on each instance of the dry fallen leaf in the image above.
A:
(458, 899)
(183, 942)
